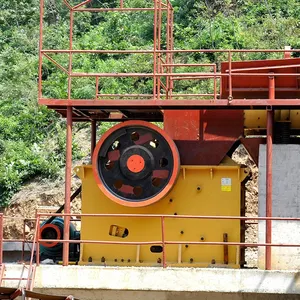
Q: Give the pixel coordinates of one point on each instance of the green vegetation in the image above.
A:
(32, 138)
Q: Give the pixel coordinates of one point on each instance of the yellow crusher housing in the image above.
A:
(116, 184)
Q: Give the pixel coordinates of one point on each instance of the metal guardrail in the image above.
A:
(40, 217)
(163, 240)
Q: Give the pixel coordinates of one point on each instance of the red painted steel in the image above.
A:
(37, 243)
(163, 242)
(190, 104)
(93, 136)
(183, 125)
(67, 208)
(70, 54)
(269, 180)
(255, 87)
(40, 94)
(250, 245)
(252, 146)
(116, 9)
(56, 229)
(204, 137)
(163, 68)
(171, 51)
(81, 4)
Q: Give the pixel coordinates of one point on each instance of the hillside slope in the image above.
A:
(32, 138)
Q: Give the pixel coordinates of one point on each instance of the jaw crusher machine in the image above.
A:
(184, 169)
(138, 169)
(143, 177)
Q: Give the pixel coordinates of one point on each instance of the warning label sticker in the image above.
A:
(226, 184)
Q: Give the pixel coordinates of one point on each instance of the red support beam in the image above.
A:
(269, 153)
(68, 187)
(93, 136)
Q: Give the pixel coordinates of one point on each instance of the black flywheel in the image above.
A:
(136, 163)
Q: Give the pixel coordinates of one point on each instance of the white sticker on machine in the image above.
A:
(226, 184)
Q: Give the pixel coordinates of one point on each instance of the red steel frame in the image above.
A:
(163, 241)
(40, 217)
(163, 67)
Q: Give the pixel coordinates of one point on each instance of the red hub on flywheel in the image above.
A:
(136, 163)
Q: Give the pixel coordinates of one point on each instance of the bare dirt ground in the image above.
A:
(42, 192)
(241, 156)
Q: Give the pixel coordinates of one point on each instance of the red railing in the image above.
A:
(163, 240)
(35, 254)
(212, 97)
(163, 67)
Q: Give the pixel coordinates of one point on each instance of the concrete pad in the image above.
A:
(286, 187)
(55, 277)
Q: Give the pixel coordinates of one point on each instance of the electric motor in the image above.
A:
(55, 231)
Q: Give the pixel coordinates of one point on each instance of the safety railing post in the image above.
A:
(40, 93)
(230, 75)
(37, 244)
(68, 184)
(155, 51)
(215, 82)
(269, 161)
(163, 241)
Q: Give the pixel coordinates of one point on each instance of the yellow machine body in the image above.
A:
(199, 190)
(257, 119)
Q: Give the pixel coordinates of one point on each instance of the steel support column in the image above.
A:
(93, 136)
(269, 153)
(68, 183)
